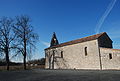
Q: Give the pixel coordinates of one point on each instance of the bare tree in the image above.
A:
(26, 37)
(6, 37)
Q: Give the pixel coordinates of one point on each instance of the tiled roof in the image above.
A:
(110, 49)
(93, 37)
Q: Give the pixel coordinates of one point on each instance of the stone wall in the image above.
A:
(105, 41)
(74, 56)
(110, 58)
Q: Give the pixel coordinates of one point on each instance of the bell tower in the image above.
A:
(54, 40)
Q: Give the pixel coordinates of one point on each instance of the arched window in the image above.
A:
(61, 54)
(85, 51)
(110, 56)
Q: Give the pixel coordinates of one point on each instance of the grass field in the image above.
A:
(3, 68)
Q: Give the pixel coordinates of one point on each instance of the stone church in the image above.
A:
(92, 52)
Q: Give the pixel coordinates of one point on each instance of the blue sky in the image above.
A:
(70, 19)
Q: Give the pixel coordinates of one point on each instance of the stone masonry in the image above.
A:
(93, 52)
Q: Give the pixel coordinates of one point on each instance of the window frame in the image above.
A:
(110, 56)
(85, 50)
(61, 54)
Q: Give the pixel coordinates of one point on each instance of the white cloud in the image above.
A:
(114, 33)
(104, 16)
(45, 43)
(116, 46)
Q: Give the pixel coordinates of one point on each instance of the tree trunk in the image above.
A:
(25, 53)
(24, 62)
(7, 58)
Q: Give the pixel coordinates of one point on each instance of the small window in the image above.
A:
(85, 51)
(110, 56)
(61, 54)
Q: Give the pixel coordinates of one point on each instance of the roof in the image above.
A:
(110, 49)
(93, 37)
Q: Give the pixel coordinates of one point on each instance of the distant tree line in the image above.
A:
(16, 38)
(37, 61)
(11, 63)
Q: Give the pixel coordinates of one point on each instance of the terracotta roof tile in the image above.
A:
(93, 37)
(110, 49)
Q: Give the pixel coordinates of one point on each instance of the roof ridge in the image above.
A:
(109, 48)
(93, 35)
(84, 39)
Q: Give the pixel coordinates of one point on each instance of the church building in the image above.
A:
(93, 52)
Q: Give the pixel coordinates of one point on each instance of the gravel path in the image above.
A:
(59, 75)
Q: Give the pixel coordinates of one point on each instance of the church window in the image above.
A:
(61, 54)
(85, 51)
(110, 56)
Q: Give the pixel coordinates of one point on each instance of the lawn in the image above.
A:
(3, 68)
